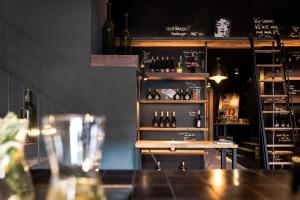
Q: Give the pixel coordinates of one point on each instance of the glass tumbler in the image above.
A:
(74, 147)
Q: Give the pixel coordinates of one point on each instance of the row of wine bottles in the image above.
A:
(166, 65)
(283, 123)
(108, 41)
(170, 122)
(179, 95)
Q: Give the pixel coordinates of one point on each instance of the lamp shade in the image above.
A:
(218, 73)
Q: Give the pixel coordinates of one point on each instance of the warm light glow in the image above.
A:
(218, 78)
(236, 176)
(34, 132)
(49, 131)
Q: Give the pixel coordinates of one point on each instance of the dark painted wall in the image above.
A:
(48, 45)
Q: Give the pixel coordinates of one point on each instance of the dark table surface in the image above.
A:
(193, 184)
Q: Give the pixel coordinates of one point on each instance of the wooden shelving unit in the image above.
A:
(172, 129)
(177, 76)
(228, 43)
(173, 101)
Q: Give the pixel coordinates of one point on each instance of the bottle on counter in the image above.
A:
(198, 120)
(149, 95)
(161, 120)
(125, 38)
(152, 65)
(108, 31)
(173, 120)
(156, 95)
(155, 121)
(187, 95)
(177, 95)
(167, 120)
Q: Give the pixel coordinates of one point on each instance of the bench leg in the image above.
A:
(234, 159)
(223, 158)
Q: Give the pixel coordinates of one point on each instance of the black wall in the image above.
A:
(48, 45)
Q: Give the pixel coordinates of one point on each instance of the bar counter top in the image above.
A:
(191, 184)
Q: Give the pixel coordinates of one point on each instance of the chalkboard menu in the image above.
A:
(283, 138)
(196, 18)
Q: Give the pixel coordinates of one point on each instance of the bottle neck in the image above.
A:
(108, 11)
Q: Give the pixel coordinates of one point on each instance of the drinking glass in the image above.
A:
(74, 147)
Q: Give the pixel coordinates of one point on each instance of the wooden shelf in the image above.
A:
(177, 76)
(269, 65)
(280, 163)
(176, 152)
(280, 152)
(277, 129)
(211, 42)
(173, 129)
(115, 61)
(273, 96)
(276, 112)
(162, 144)
(280, 145)
(173, 101)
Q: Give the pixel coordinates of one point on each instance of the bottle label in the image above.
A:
(156, 97)
(173, 125)
(155, 124)
(161, 125)
(198, 123)
(149, 97)
(167, 124)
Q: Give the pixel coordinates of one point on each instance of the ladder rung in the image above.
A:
(267, 50)
(280, 152)
(280, 145)
(273, 96)
(280, 163)
(269, 65)
(278, 129)
(275, 112)
(272, 80)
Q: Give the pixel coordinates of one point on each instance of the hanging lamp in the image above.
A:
(218, 73)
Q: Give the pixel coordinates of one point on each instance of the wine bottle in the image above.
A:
(152, 65)
(28, 109)
(172, 65)
(276, 125)
(179, 68)
(155, 121)
(181, 94)
(167, 121)
(149, 95)
(161, 120)
(282, 125)
(198, 120)
(187, 95)
(157, 64)
(156, 95)
(192, 64)
(125, 38)
(158, 166)
(173, 121)
(167, 65)
(162, 64)
(108, 33)
(177, 95)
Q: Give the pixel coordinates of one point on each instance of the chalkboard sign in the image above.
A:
(293, 57)
(283, 138)
(197, 18)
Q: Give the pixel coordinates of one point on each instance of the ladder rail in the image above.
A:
(263, 144)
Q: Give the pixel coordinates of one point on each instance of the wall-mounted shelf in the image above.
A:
(223, 43)
(172, 129)
(176, 152)
(115, 61)
(173, 101)
(277, 129)
(177, 76)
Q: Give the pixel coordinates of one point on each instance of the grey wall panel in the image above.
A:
(47, 44)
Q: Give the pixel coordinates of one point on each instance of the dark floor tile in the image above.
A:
(191, 180)
(150, 173)
(152, 192)
(119, 173)
(150, 180)
(117, 180)
(202, 192)
(170, 173)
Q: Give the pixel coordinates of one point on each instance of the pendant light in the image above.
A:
(218, 73)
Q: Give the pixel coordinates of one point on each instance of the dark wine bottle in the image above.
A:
(28, 109)
(167, 121)
(177, 95)
(173, 120)
(158, 166)
(152, 65)
(156, 95)
(108, 33)
(182, 166)
(192, 65)
(162, 64)
(155, 121)
(149, 95)
(198, 120)
(172, 65)
(181, 94)
(125, 39)
(161, 120)
(187, 95)
(167, 65)
(157, 64)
